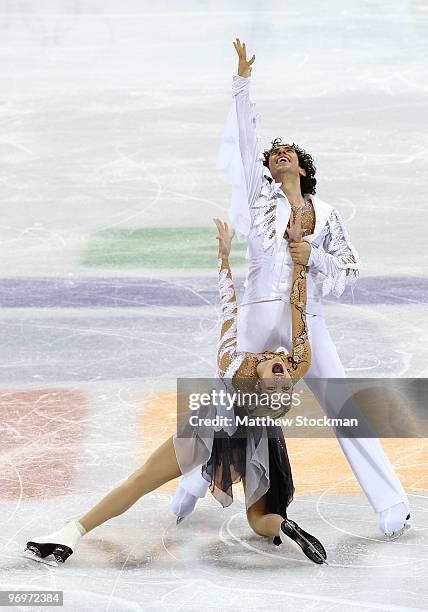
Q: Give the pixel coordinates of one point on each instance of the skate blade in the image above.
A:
(179, 519)
(397, 534)
(309, 545)
(313, 549)
(30, 554)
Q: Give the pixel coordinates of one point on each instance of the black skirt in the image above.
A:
(227, 466)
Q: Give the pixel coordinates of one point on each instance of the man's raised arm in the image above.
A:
(239, 152)
(248, 142)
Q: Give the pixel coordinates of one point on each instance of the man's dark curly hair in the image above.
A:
(306, 162)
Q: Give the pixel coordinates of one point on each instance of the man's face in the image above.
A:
(284, 160)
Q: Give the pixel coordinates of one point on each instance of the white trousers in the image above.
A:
(266, 326)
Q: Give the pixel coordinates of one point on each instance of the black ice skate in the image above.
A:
(309, 544)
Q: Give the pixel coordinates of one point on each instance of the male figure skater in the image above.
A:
(267, 188)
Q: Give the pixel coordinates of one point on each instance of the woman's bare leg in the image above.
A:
(161, 467)
(261, 521)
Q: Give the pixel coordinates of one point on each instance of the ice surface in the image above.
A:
(111, 115)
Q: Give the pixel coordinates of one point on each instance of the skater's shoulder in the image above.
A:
(323, 214)
(321, 205)
(328, 210)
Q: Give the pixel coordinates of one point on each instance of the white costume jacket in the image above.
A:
(260, 210)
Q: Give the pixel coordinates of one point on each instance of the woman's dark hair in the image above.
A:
(306, 162)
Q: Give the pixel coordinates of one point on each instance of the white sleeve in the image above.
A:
(336, 258)
(240, 155)
(227, 343)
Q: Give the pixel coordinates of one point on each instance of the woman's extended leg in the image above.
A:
(161, 467)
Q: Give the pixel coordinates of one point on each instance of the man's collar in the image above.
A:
(274, 186)
(266, 172)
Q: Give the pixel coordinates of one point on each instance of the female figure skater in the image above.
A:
(259, 457)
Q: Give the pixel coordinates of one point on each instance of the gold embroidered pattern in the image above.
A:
(308, 218)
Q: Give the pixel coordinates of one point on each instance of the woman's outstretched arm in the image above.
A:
(227, 342)
(300, 357)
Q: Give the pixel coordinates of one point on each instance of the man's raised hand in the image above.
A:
(244, 65)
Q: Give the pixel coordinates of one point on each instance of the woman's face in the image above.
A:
(273, 375)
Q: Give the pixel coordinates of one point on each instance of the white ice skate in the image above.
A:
(183, 504)
(55, 547)
(393, 521)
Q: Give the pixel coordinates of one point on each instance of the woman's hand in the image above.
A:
(300, 250)
(244, 65)
(224, 238)
(295, 231)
